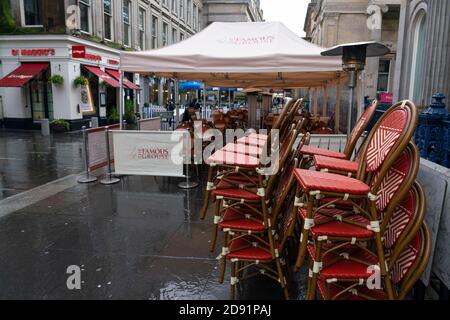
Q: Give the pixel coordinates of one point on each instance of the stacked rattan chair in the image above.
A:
(353, 226)
(244, 191)
(252, 145)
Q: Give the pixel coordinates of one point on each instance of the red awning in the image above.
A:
(102, 75)
(23, 74)
(126, 82)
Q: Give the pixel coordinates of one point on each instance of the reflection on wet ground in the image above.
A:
(132, 240)
(138, 239)
(28, 159)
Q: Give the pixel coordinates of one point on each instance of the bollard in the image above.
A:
(45, 127)
(108, 179)
(88, 177)
(94, 121)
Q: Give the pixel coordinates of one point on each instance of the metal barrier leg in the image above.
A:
(108, 179)
(87, 176)
(188, 184)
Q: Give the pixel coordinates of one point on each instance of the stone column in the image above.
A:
(374, 24)
(436, 62)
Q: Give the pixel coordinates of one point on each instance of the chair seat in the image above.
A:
(349, 248)
(240, 178)
(341, 165)
(350, 269)
(233, 159)
(252, 141)
(234, 193)
(329, 182)
(235, 220)
(312, 151)
(242, 250)
(337, 229)
(325, 214)
(334, 290)
(243, 149)
(340, 202)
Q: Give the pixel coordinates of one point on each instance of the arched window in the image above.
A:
(418, 49)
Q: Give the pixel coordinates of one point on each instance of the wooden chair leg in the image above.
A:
(223, 260)
(311, 292)
(303, 241)
(207, 195)
(282, 278)
(233, 280)
(304, 236)
(216, 224)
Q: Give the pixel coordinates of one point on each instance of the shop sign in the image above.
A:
(113, 62)
(93, 57)
(78, 52)
(33, 52)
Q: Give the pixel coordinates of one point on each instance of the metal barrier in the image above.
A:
(98, 153)
(150, 124)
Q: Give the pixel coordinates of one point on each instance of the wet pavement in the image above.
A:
(132, 240)
(138, 239)
(28, 159)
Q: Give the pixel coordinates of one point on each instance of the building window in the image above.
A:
(174, 35)
(383, 75)
(85, 7)
(142, 29)
(32, 12)
(181, 36)
(107, 13)
(189, 11)
(418, 34)
(154, 32)
(182, 9)
(174, 6)
(166, 3)
(126, 23)
(165, 34)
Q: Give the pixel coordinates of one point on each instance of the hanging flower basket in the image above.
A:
(56, 80)
(80, 81)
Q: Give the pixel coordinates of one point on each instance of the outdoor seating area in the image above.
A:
(355, 219)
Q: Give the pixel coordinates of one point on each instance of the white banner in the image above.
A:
(152, 153)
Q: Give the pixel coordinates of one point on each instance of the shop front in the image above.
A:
(59, 78)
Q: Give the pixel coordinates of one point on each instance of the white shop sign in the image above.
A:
(153, 153)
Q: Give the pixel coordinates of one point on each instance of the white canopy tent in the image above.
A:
(239, 55)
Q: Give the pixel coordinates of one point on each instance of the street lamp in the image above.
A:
(353, 60)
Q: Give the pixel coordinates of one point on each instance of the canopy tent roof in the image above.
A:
(239, 54)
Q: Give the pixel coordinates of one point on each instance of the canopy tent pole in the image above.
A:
(315, 101)
(121, 102)
(325, 102)
(337, 112)
(204, 102)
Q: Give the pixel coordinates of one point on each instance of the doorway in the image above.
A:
(41, 97)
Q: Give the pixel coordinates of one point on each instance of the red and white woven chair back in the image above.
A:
(386, 135)
(361, 125)
(394, 179)
(407, 259)
(403, 215)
